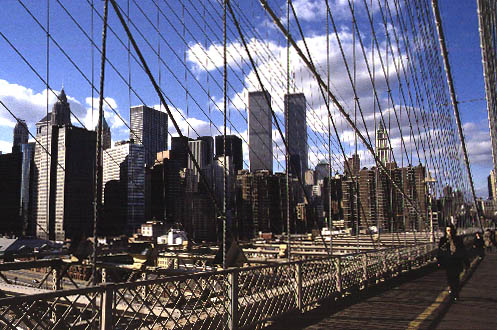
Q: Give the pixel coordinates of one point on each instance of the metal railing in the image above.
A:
(235, 298)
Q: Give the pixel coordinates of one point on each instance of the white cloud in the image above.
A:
(478, 143)
(5, 146)
(29, 105)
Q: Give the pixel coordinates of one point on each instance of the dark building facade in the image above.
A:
(179, 150)
(149, 127)
(167, 192)
(352, 164)
(261, 204)
(27, 187)
(64, 196)
(260, 131)
(296, 132)
(10, 194)
(21, 136)
(233, 149)
(63, 181)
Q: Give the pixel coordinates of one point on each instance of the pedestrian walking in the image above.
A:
(478, 245)
(487, 238)
(452, 257)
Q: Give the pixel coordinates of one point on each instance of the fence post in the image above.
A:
(107, 301)
(143, 290)
(104, 275)
(233, 299)
(409, 258)
(299, 285)
(56, 279)
(399, 261)
(365, 268)
(339, 274)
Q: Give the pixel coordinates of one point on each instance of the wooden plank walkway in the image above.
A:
(415, 301)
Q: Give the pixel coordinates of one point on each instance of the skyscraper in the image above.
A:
(61, 111)
(202, 150)
(260, 129)
(59, 116)
(106, 135)
(382, 149)
(322, 171)
(63, 180)
(10, 193)
(492, 185)
(352, 164)
(233, 150)
(21, 135)
(296, 132)
(28, 151)
(149, 127)
(124, 166)
(179, 150)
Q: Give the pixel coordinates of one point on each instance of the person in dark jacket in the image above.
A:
(478, 245)
(452, 256)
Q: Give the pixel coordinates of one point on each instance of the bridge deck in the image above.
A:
(416, 301)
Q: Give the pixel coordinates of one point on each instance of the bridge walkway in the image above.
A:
(418, 300)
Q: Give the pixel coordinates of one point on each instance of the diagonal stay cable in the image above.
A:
(452, 91)
(337, 104)
(166, 106)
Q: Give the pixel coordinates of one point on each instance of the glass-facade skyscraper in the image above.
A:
(260, 131)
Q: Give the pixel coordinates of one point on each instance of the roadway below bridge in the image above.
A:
(417, 300)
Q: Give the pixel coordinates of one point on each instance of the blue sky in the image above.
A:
(198, 41)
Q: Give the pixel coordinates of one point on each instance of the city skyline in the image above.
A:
(19, 90)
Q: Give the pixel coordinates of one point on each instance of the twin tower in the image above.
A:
(261, 133)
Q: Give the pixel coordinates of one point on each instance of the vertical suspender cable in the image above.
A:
(97, 202)
(287, 152)
(225, 105)
(445, 57)
(330, 172)
(47, 196)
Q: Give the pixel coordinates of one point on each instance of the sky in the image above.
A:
(182, 44)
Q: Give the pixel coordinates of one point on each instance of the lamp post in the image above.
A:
(430, 185)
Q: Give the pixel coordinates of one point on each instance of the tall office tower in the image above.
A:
(63, 182)
(10, 193)
(322, 171)
(310, 177)
(21, 135)
(216, 177)
(149, 127)
(489, 185)
(260, 207)
(296, 132)
(260, 131)
(28, 152)
(350, 204)
(179, 150)
(383, 151)
(492, 185)
(167, 191)
(59, 116)
(202, 151)
(61, 111)
(367, 195)
(353, 164)
(233, 150)
(336, 211)
(414, 188)
(124, 168)
(106, 135)
(209, 148)
(200, 217)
